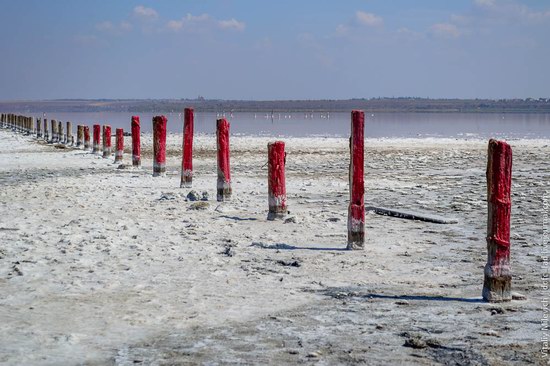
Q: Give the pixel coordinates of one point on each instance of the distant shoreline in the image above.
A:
(373, 105)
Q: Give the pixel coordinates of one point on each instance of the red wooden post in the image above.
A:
(276, 180)
(498, 277)
(159, 146)
(136, 143)
(224, 171)
(97, 139)
(106, 141)
(86, 137)
(187, 154)
(119, 145)
(356, 212)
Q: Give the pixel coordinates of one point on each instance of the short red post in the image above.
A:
(106, 141)
(356, 212)
(97, 139)
(276, 180)
(224, 171)
(119, 145)
(498, 276)
(187, 154)
(136, 142)
(159, 146)
(86, 137)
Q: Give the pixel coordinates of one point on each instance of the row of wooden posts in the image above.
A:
(497, 281)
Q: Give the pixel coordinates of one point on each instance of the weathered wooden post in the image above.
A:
(276, 180)
(39, 128)
(187, 151)
(159, 146)
(60, 134)
(53, 124)
(86, 137)
(69, 140)
(498, 276)
(97, 139)
(107, 141)
(119, 152)
(224, 172)
(45, 125)
(356, 211)
(136, 142)
(79, 135)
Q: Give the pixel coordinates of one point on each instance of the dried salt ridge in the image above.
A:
(135, 279)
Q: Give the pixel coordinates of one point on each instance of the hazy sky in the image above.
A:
(279, 49)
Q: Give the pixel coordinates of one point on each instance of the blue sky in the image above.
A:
(259, 49)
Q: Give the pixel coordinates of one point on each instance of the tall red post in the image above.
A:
(224, 171)
(136, 142)
(97, 139)
(187, 154)
(356, 211)
(107, 141)
(276, 180)
(498, 276)
(159, 146)
(86, 137)
(119, 145)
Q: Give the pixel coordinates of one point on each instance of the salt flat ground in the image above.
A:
(100, 265)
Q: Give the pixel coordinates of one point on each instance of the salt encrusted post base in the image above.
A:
(224, 172)
(187, 151)
(276, 180)
(356, 211)
(119, 152)
(498, 276)
(159, 146)
(136, 142)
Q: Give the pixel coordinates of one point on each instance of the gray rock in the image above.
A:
(193, 196)
(199, 206)
(205, 196)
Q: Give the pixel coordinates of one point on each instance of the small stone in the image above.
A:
(333, 219)
(167, 197)
(122, 166)
(402, 302)
(290, 220)
(518, 296)
(415, 342)
(193, 196)
(314, 354)
(293, 351)
(205, 196)
(199, 206)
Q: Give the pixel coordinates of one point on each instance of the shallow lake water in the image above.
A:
(298, 124)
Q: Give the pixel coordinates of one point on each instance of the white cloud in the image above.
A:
(509, 11)
(445, 30)
(145, 13)
(368, 19)
(203, 22)
(109, 27)
(232, 24)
